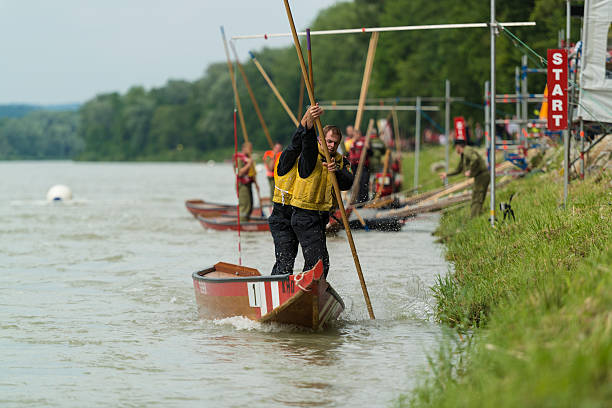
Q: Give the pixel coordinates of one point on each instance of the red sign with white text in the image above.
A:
(460, 129)
(557, 89)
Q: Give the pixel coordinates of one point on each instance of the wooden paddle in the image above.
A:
(252, 96)
(365, 83)
(234, 87)
(355, 188)
(334, 181)
(273, 87)
(385, 169)
(311, 77)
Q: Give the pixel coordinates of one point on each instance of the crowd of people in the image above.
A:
(301, 188)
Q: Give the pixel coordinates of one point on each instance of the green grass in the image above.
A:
(429, 155)
(531, 300)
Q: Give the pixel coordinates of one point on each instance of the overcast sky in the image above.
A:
(64, 51)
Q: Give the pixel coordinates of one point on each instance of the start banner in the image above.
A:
(557, 89)
(460, 129)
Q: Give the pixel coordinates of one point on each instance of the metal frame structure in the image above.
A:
(493, 26)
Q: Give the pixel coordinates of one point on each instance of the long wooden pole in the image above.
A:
(385, 169)
(356, 182)
(234, 87)
(310, 75)
(334, 181)
(252, 95)
(365, 83)
(311, 78)
(271, 84)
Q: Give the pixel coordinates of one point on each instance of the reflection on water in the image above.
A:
(98, 303)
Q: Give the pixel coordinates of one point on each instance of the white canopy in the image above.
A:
(595, 82)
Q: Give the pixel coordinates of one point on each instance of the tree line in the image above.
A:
(186, 120)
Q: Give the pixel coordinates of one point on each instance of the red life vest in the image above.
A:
(355, 152)
(241, 159)
(269, 154)
(395, 167)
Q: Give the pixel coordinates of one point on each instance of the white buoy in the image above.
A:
(59, 192)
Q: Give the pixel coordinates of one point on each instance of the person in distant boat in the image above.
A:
(270, 158)
(358, 145)
(348, 141)
(313, 197)
(285, 171)
(474, 166)
(245, 172)
(378, 149)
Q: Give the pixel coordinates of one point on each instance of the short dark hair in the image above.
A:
(334, 129)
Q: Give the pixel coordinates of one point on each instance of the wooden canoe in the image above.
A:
(389, 224)
(370, 219)
(305, 299)
(230, 223)
(208, 209)
(335, 221)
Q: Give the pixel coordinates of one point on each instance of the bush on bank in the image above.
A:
(538, 292)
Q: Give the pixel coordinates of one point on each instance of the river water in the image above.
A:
(97, 305)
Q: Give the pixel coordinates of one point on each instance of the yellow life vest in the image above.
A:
(283, 185)
(315, 191)
(252, 172)
(348, 143)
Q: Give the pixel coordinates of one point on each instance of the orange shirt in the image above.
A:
(270, 156)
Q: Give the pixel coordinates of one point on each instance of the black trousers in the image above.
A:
(309, 227)
(285, 240)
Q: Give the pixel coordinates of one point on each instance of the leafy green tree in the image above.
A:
(40, 135)
(198, 115)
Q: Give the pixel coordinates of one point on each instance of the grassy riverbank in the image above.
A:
(431, 162)
(532, 301)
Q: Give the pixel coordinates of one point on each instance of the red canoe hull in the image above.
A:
(230, 223)
(207, 209)
(305, 299)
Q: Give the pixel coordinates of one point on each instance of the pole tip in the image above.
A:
(251, 55)
(308, 37)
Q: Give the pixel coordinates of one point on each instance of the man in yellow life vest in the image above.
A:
(270, 158)
(246, 175)
(285, 171)
(313, 197)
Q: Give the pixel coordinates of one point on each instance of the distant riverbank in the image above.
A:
(177, 155)
(531, 300)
